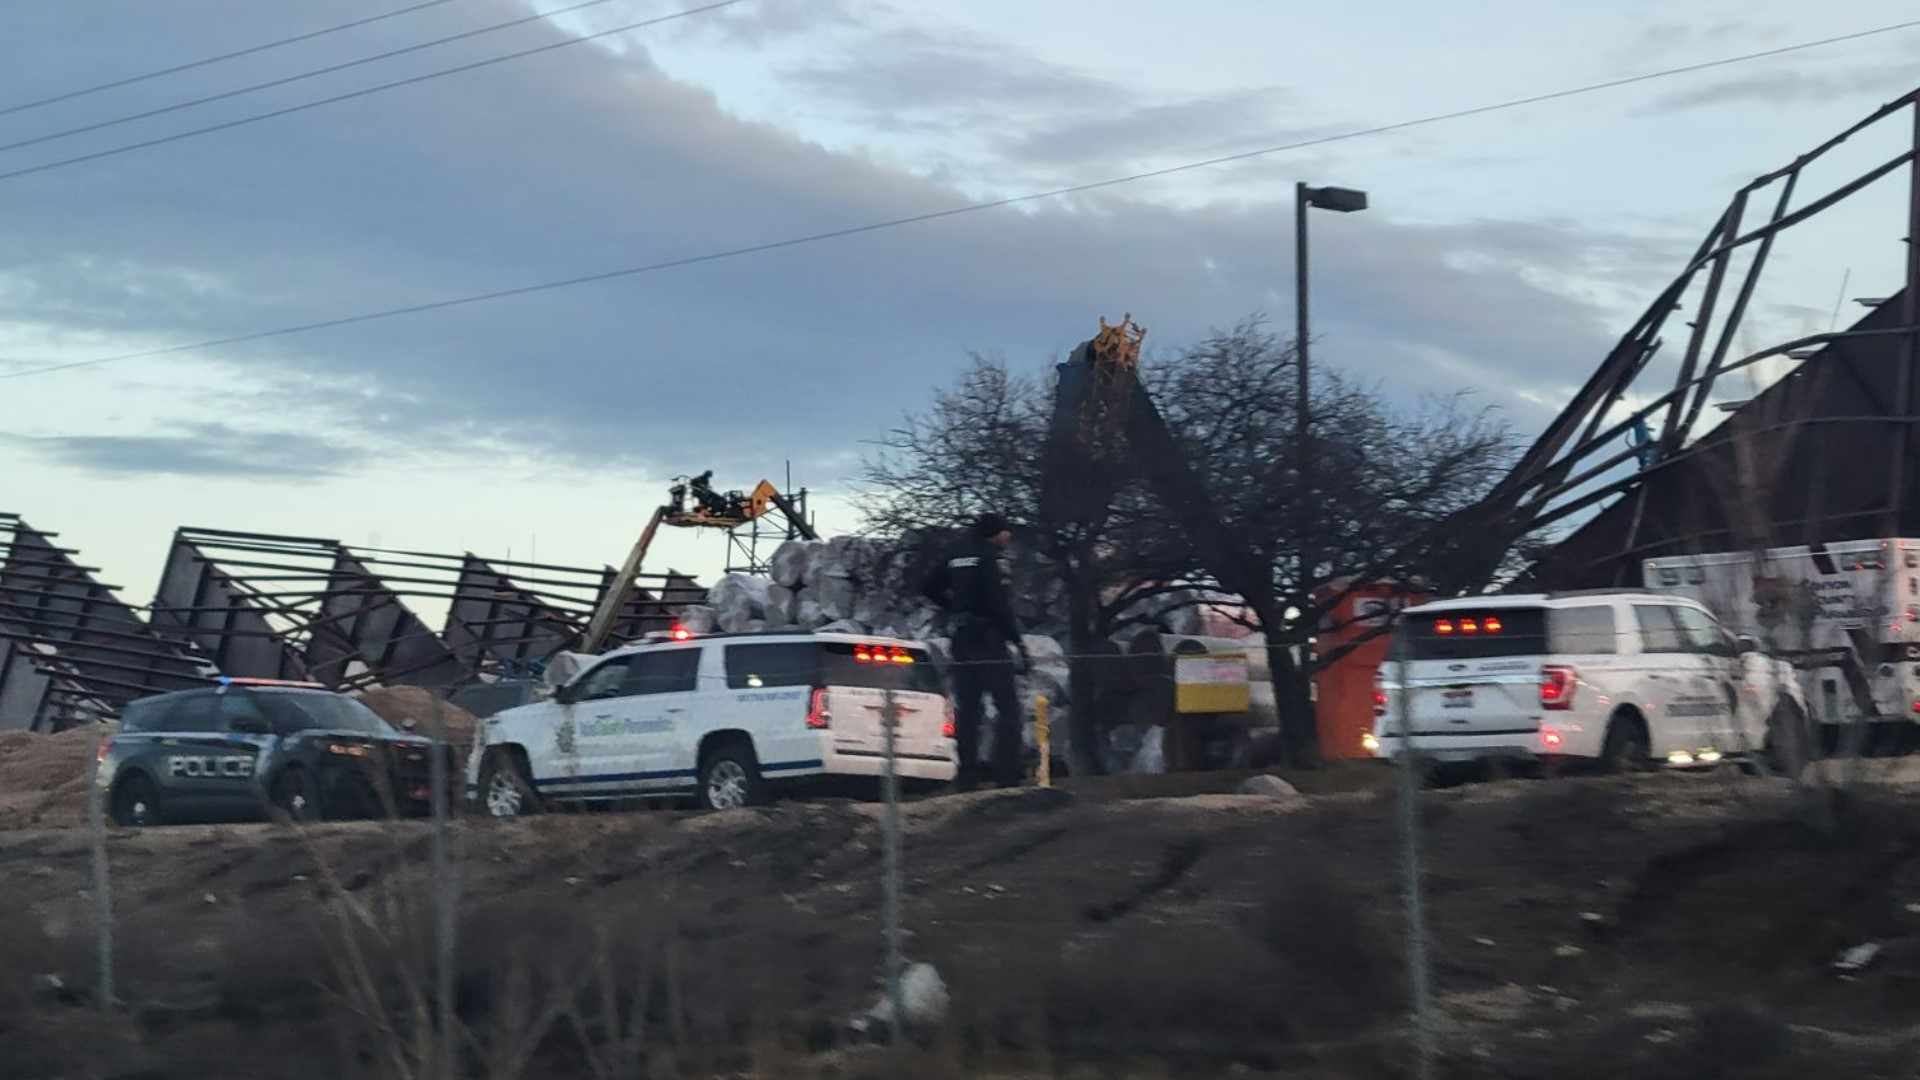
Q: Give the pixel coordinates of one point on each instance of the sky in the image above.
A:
(1502, 253)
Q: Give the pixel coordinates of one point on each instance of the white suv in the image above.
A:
(721, 717)
(1624, 679)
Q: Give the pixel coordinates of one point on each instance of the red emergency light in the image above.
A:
(881, 654)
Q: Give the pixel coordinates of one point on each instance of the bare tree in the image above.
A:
(1389, 478)
(1230, 405)
(979, 447)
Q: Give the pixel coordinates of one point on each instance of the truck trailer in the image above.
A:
(1846, 614)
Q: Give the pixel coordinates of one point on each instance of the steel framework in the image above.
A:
(70, 649)
(1855, 390)
(266, 605)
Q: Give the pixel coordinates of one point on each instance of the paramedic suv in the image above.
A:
(724, 718)
(236, 751)
(1619, 679)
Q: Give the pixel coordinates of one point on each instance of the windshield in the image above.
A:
(319, 712)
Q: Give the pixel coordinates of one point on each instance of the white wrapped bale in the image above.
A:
(836, 596)
(843, 626)
(739, 599)
(699, 619)
(783, 606)
(792, 562)
(808, 614)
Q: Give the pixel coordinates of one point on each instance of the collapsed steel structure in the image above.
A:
(70, 649)
(303, 607)
(262, 605)
(1827, 452)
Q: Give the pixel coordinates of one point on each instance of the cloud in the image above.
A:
(1792, 87)
(213, 450)
(545, 170)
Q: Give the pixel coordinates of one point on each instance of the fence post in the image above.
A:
(1043, 738)
(890, 841)
(102, 893)
(444, 896)
(1418, 974)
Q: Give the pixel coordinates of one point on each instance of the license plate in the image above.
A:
(1457, 699)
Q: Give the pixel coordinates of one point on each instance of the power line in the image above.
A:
(248, 51)
(949, 212)
(352, 94)
(302, 76)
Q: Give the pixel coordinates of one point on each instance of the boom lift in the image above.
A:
(691, 504)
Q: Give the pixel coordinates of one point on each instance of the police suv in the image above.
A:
(1624, 679)
(725, 718)
(234, 751)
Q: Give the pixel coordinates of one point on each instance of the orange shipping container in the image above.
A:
(1343, 686)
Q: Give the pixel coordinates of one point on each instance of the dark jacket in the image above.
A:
(974, 587)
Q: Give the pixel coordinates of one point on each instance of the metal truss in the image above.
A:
(270, 606)
(1626, 430)
(70, 649)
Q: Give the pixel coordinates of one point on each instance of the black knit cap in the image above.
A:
(990, 525)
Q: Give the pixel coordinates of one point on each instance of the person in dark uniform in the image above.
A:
(974, 587)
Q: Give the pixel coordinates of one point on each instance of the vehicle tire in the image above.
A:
(135, 803)
(730, 777)
(297, 795)
(1626, 749)
(505, 791)
(1792, 743)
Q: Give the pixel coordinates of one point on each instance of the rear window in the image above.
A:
(820, 663)
(1489, 634)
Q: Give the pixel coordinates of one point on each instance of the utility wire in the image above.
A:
(304, 75)
(953, 211)
(352, 94)
(248, 51)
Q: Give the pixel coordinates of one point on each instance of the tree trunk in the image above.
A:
(1292, 696)
(1083, 678)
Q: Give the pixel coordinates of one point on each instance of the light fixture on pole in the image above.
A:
(1342, 201)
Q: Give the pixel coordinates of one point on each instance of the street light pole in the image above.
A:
(1344, 201)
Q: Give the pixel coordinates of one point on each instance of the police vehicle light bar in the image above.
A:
(229, 680)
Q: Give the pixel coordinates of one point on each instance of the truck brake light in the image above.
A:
(1557, 685)
(106, 747)
(948, 729)
(817, 716)
(1379, 701)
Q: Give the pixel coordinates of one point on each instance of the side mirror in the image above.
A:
(1747, 644)
(566, 693)
(408, 724)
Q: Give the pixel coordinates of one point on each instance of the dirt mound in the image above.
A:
(398, 704)
(43, 778)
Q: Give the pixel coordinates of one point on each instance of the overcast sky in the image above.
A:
(1502, 255)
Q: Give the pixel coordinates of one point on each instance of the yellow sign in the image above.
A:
(1214, 683)
(1043, 738)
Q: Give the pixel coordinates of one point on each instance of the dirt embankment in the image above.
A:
(432, 715)
(1662, 927)
(43, 778)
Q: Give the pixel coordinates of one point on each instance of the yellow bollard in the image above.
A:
(1044, 772)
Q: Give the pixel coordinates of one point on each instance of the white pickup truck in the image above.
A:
(725, 718)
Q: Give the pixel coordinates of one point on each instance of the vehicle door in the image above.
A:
(663, 738)
(1735, 725)
(205, 767)
(1678, 700)
(586, 746)
(772, 686)
(1473, 672)
(859, 678)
